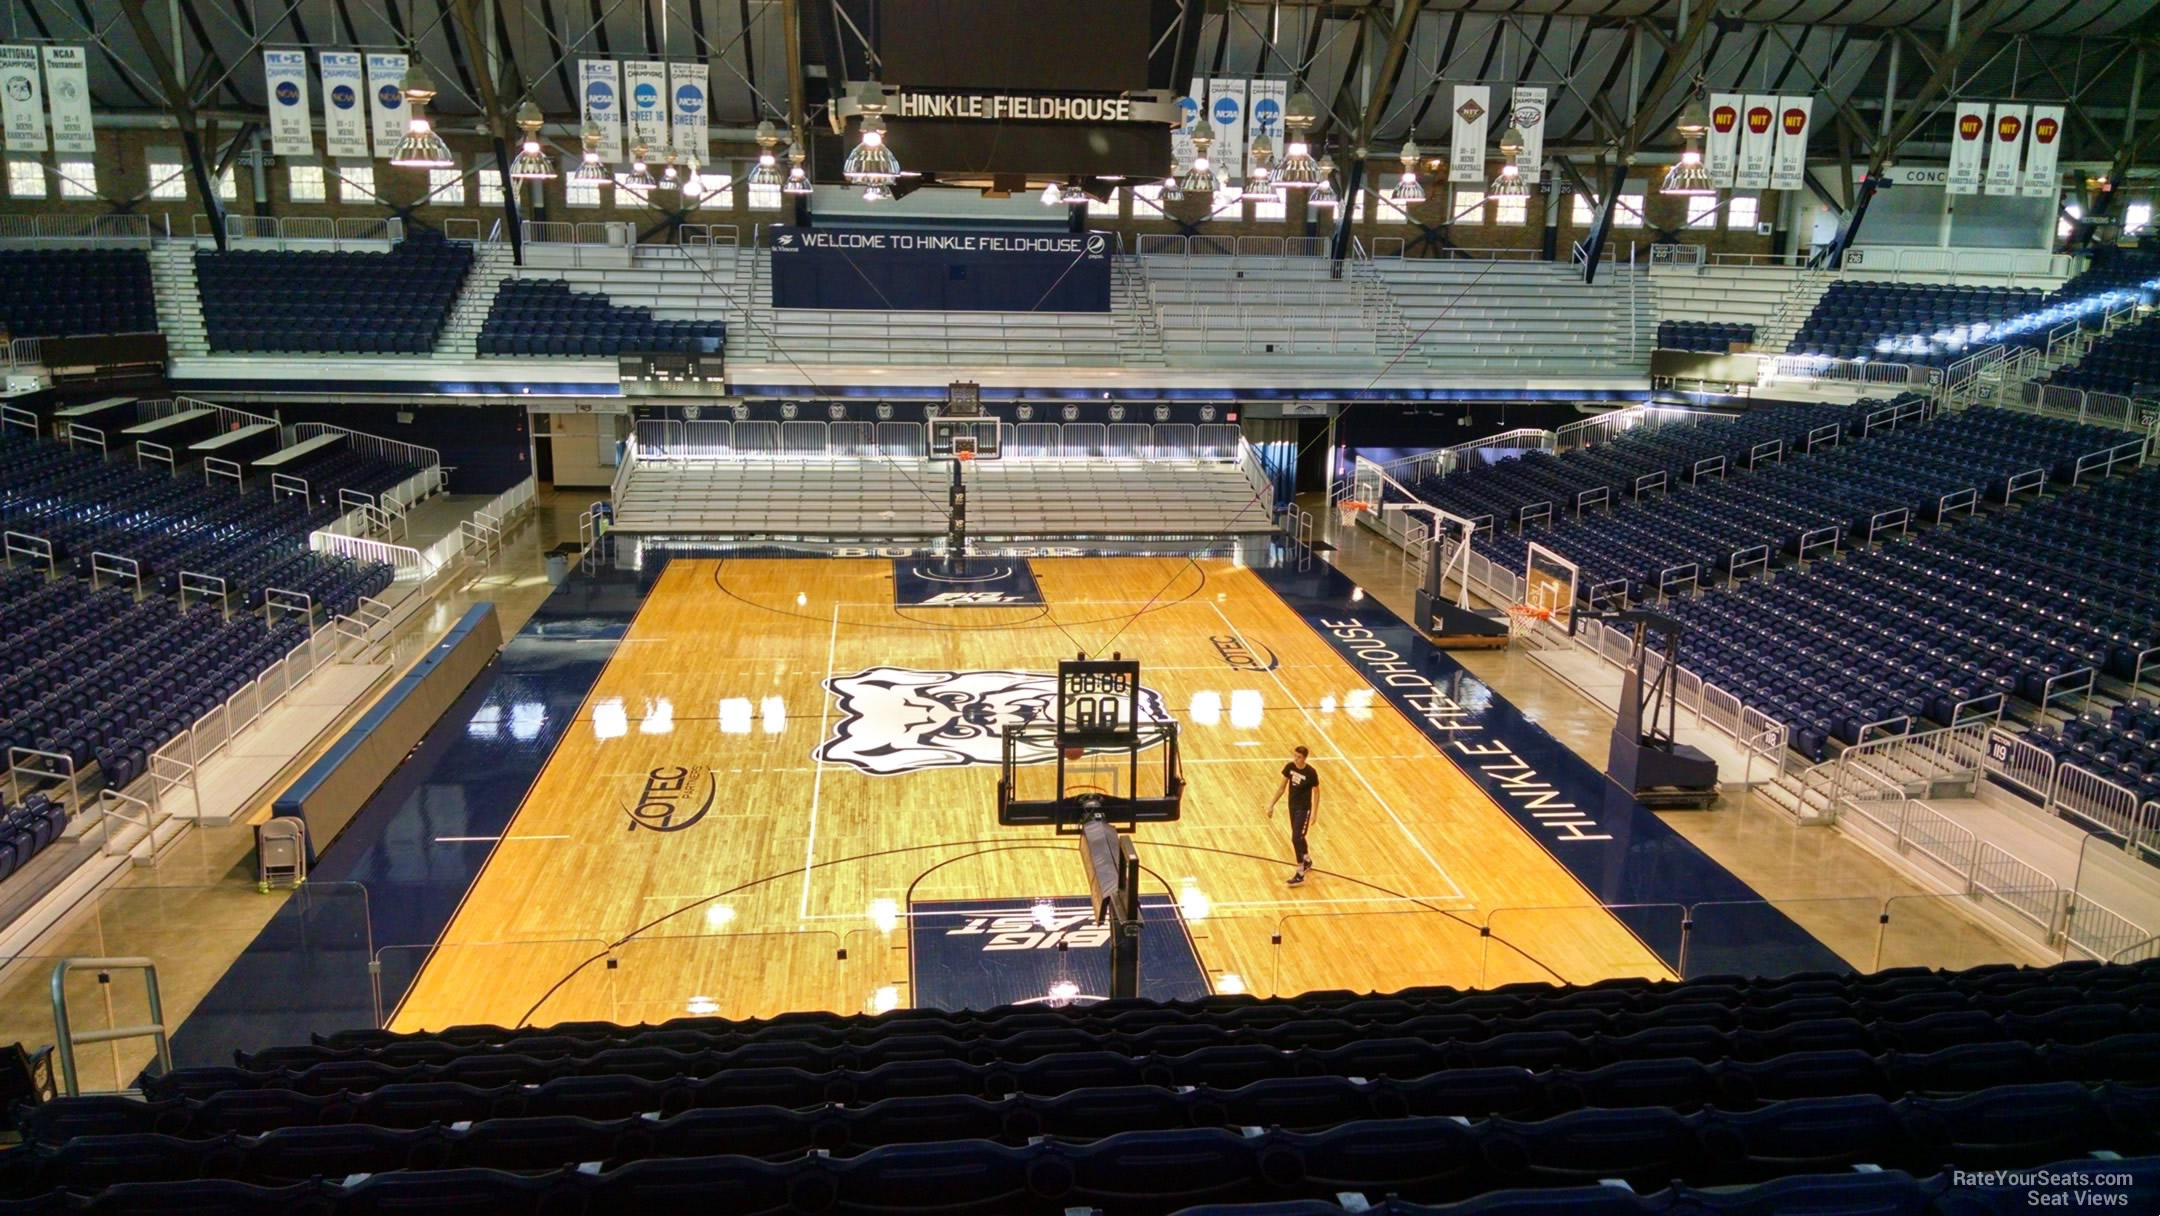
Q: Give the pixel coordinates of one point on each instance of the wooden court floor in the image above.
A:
(694, 845)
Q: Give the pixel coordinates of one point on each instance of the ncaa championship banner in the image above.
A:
(645, 85)
(67, 86)
(941, 270)
(345, 132)
(689, 88)
(1266, 117)
(292, 128)
(1968, 136)
(386, 100)
(1721, 148)
(22, 99)
(1188, 114)
(2006, 150)
(2042, 178)
(1226, 109)
(1466, 155)
(602, 82)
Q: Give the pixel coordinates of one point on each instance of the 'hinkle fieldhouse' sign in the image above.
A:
(991, 107)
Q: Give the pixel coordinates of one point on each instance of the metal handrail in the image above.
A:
(65, 1037)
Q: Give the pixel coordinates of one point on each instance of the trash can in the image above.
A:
(558, 562)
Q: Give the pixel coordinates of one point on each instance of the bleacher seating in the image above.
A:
(2126, 362)
(85, 505)
(545, 317)
(25, 831)
(1954, 618)
(1810, 1093)
(1928, 324)
(349, 303)
(1709, 337)
(1535, 480)
(64, 292)
(2120, 743)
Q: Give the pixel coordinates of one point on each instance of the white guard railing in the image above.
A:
(1849, 371)
(2075, 793)
(409, 563)
(178, 762)
(1950, 266)
(66, 228)
(1646, 418)
(395, 451)
(483, 529)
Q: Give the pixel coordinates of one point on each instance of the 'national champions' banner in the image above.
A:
(22, 99)
(1226, 110)
(1968, 137)
(1527, 115)
(345, 130)
(941, 270)
(1266, 118)
(292, 129)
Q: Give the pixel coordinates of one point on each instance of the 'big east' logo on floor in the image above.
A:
(1045, 928)
(900, 720)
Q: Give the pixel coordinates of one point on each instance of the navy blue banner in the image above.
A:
(941, 270)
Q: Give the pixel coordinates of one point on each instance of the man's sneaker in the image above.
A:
(1298, 879)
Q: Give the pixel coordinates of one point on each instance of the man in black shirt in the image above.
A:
(1302, 782)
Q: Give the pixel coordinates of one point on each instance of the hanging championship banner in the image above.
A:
(1788, 165)
(688, 86)
(1226, 110)
(1188, 113)
(1466, 154)
(603, 104)
(2006, 150)
(1968, 137)
(22, 99)
(386, 100)
(645, 86)
(292, 129)
(344, 113)
(2041, 177)
(67, 85)
(1266, 105)
(1758, 142)
(1527, 115)
(1721, 148)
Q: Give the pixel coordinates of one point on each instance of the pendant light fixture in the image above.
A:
(639, 177)
(1200, 176)
(766, 176)
(1510, 183)
(1298, 171)
(1322, 196)
(532, 164)
(592, 171)
(1259, 171)
(1407, 190)
(1690, 176)
(871, 163)
(421, 148)
(798, 180)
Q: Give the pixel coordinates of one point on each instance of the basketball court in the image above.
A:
(780, 793)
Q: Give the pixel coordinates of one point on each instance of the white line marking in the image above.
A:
(475, 839)
(1314, 722)
(817, 783)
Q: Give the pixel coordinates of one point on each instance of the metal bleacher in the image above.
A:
(724, 479)
(1520, 317)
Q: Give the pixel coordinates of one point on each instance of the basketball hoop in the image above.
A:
(1346, 511)
(963, 454)
(1523, 619)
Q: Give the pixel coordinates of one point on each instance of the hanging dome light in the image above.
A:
(592, 171)
(670, 175)
(421, 148)
(1407, 190)
(798, 181)
(766, 176)
(1051, 194)
(532, 164)
(871, 163)
(639, 177)
(1298, 171)
(1200, 175)
(1259, 172)
(1322, 195)
(1691, 176)
(878, 193)
(1511, 183)
(1073, 195)
(693, 180)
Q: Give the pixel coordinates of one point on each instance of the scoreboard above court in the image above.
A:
(670, 374)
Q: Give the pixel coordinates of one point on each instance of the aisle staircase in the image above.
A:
(492, 263)
(179, 302)
(1132, 306)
